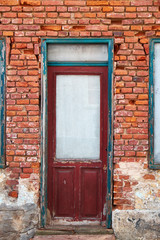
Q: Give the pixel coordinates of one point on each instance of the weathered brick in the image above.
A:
(9, 2)
(131, 24)
(51, 27)
(30, 2)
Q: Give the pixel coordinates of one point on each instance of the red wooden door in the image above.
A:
(77, 165)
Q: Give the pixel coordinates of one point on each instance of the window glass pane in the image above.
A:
(77, 52)
(157, 104)
(78, 116)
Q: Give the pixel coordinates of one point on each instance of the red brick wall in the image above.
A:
(131, 23)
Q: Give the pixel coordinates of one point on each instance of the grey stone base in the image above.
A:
(18, 223)
(136, 224)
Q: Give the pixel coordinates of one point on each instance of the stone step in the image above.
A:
(74, 233)
(75, 237)
(72, 230)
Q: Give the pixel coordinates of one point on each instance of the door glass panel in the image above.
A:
(78, 116)
(78, 52)
(157, 104)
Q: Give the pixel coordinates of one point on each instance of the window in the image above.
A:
(2, 93)
(154, 105)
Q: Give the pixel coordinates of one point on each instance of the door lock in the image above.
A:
(104, 167)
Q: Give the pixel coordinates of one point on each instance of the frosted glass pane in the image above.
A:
(157, 104)
(77, 52)
(77, 117)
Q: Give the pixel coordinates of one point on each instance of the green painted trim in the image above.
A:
(44, 138)
(110, 136)
(76, 40)
(44, 121)
(152, 164)
(94, 64)
(2, 100)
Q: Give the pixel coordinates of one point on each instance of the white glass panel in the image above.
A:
(77, 52)
(157, 104)
(77, 116)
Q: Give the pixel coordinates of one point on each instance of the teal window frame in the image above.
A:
(44, 120)
(2, 101)
(152, 164)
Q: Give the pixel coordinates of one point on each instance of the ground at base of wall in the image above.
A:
(77, 237)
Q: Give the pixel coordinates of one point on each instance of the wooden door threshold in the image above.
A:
(74, 230)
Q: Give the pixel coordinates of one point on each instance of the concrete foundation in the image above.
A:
(136, 224)
(18, 223)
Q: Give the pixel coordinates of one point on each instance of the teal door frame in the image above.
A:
(44, 120)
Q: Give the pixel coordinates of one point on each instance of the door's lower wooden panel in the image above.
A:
(90, 194)
(63, 193)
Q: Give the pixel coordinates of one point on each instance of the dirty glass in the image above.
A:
(77, 52)
(78, 116)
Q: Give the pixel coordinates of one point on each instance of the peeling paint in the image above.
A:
(44, 123)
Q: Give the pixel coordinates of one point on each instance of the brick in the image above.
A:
(51, 27)
(35, 165)
(23, 101)
(23, 135)
(120, 72)
(141, 3)
(144, 15)
(27, 170)
(9, 2)
(98, 3)
(29, 27)
(118, 153)
(9, 34)
(22, 39)
(126, 90)
(4, 9)
(16, 63)
(25, 15)
(19, 159)
(51, 9)
(130, 15)
(25, 175)
(130, 9)
(119, 9)
(52, 2)
(9, 15)
(75, 3)
(90, 15)
(13, 194)
(115, 15)
(149, 177)
(30, 2)
(107, 9)
(8, 27)
(25, 164)
(119, 3)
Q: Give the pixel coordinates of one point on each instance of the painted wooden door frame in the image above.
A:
(2, 100)
(44, 123)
